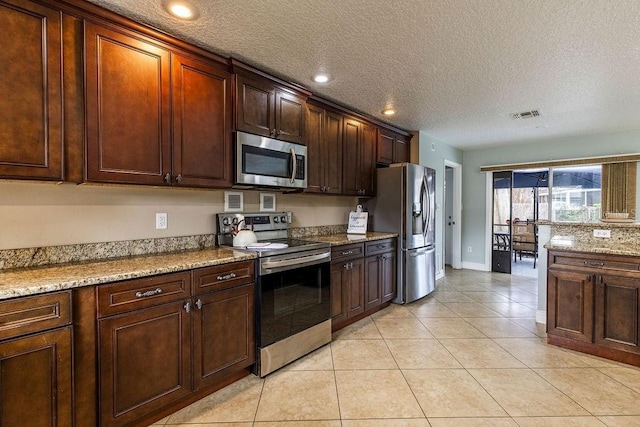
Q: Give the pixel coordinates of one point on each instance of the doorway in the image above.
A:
(452, 234)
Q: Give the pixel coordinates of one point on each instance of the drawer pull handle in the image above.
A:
(347, 252)
(148, 293)
(199, 304)
(227, 276)
(594, 264)
(381, 246)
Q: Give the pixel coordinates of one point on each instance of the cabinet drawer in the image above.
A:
(595, 261)
(24, 315)
(222, 276)
(149, 291)
(343, 252)
(380, 246)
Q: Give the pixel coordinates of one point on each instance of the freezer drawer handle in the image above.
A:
(227, 276)
(148, 293)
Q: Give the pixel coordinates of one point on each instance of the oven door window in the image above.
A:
(292, 301)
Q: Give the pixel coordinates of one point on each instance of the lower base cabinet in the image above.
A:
(363, 280)
(162, 339)
(36, 361)
(593, 304)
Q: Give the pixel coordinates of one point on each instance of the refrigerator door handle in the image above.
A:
(425, 196)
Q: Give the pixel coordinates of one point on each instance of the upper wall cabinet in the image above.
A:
(324, 150)
(30, 91)
(392, 147)
(359, 158)
(268, 107)
(130, 84)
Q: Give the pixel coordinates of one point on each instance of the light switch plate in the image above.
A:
(602, 233)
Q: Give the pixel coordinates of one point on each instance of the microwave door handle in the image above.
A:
(295, 166)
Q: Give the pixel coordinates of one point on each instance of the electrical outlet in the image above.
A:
(469, 249)
(602, 233)
(161, 221)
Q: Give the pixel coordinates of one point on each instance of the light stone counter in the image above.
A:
(345, 239)
(568, 243)
(30, 281)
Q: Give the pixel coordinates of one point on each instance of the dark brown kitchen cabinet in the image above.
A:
(144, 354)
(202, 129)
(324, 150)
(570, 313)
(130, 82)
(392, 147)
(31, 117)
(363, 280)
(617, 313)
(164, 340)
(593, 304)
(380, 278)
(223, 321)
(358, 167)
(36, 361)
(265, 108)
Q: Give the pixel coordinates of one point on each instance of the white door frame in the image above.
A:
(456, 232)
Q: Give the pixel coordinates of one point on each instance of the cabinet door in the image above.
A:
(617, 313)
(401, 150)
(388, 276)
(289, 116)
(570, 305)
(332, 158)
(315, 149)
(355, 287)
(36, 380)
(386, 141)
(368, 160)
(128, 111)
(145, 363)
(338, 294)
(255, 106)
(202, 138)
(223, 333)
(372, 282)
(30, 91)
(351, 157)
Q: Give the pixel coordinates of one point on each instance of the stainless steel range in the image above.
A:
(293, 294)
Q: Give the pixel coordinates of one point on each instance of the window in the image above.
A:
(576, 193)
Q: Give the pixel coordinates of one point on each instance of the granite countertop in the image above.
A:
(30, 281)
(599, 224)
(345, 239)
(567, 243)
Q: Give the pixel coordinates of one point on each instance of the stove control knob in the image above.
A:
(276, 220)
(226, 222)
(283, 219)
(235, 221)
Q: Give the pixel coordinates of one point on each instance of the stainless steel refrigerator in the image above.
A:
(405, 204)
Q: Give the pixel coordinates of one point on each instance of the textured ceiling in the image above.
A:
(456, 69)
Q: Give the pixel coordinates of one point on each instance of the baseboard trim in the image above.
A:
(541, 316)
(474, 266)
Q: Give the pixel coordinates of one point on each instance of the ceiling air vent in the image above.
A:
(525, 115)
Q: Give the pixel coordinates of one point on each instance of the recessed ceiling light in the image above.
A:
(388, 111)
(181, 9)
(321, 78)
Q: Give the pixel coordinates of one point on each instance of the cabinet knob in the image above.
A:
(187, 307)
(179, 178)
(199, 304)
(167, 178)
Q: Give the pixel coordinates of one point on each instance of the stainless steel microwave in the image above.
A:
(262, 161)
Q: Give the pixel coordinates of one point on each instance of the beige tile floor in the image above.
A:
(470, 354)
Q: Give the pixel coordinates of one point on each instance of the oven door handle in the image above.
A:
(295, 261)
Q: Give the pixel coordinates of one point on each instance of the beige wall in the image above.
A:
(43, 214)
